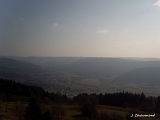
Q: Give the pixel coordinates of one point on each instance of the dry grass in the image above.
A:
(72, 112)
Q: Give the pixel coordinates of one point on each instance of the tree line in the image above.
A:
(121, 99)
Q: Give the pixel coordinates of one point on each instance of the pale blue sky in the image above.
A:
(88, 28)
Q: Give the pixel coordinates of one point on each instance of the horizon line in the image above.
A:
(80, 56)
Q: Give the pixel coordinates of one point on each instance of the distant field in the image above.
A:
(72, 83)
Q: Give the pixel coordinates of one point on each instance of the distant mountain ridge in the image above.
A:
(8, 61)
(144, 76)
(106, 67)
(92, 66)
(47, 61)
(10, 68)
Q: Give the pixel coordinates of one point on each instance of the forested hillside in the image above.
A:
(8, 88)
(10, 68)
(142, 76)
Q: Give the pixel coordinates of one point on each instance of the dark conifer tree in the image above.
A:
(47, 116)
(89, 110)
(142, 98)
(157, 109)
(33, 111)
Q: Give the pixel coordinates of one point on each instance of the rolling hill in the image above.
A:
(142, 76)
(106, 67)
(10, 68)
(92, 66)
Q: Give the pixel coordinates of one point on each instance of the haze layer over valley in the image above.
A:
(73, 75)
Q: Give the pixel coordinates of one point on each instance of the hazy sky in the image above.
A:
(88, 28)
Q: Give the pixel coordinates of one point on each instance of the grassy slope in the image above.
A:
(73, 112)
